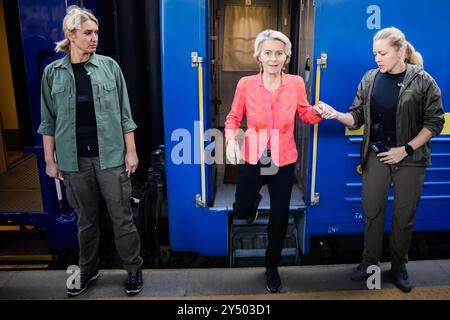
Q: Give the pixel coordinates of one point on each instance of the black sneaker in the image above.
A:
(85, 280)
(360, 272)
(273, 281)
(254, 214)
(401, 280)
(135, 282)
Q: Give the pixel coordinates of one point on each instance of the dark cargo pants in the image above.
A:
(115, 186)
(408, 182)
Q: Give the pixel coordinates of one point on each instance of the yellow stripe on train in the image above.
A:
(360, 131)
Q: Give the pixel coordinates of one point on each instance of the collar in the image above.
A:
(261, 83)
(65, 62)
(411, 72)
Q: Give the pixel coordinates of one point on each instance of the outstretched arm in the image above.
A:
(354, 118)
(328, 112)
(307, 113)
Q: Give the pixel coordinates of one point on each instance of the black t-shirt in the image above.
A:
(86, 124)
(383, 107)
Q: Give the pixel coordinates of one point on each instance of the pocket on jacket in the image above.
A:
(60, 99)
(411, 98)
(421, 155)
(109, 98)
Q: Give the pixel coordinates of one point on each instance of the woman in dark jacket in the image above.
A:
(400, 105)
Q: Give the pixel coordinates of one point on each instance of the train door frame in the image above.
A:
(285, 23)
(296, 20)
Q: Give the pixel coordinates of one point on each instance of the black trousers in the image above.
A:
(250, 179)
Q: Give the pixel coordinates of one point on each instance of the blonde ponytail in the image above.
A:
(413, 56)
(63, 46)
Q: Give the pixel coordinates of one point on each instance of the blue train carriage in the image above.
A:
(332, 48)
(201, 64)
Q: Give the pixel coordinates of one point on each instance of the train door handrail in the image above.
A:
(200, 200)
(315, 196)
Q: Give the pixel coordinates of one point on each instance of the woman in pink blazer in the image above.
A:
(270, 100)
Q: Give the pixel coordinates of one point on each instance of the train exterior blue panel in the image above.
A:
(40, 22)
(344, 30)
(184, 29)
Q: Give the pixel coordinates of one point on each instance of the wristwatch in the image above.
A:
(409, 150)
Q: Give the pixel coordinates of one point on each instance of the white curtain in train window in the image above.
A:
(242, 25)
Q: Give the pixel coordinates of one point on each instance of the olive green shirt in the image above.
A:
(112, 110)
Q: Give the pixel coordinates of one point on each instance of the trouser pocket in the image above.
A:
(70, 195)
(125, 187)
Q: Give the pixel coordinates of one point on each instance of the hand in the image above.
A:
(318, 109)
(52, 170)
(131, 162)
(233, 152)
(328, 112)
(393, 156)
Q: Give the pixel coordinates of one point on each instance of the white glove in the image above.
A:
(233, 152)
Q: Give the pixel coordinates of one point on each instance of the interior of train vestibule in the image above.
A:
(8, 113)
(19, 181)
(234, 25)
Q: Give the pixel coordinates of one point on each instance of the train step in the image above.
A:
(248, 242)
(25, 261)
(263, 219)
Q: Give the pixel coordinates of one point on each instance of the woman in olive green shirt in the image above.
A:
(88, 138)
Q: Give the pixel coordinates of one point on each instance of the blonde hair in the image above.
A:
(398, 40)
(272, 35)
(75, 16)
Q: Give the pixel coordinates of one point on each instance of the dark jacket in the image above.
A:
(419, 106)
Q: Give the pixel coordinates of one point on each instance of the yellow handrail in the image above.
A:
(202, 139)
(314, 195)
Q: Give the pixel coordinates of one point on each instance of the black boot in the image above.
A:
(273, 280)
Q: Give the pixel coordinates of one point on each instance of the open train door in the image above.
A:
(343, 53)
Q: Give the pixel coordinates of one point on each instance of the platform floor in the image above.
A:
(431, 279)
